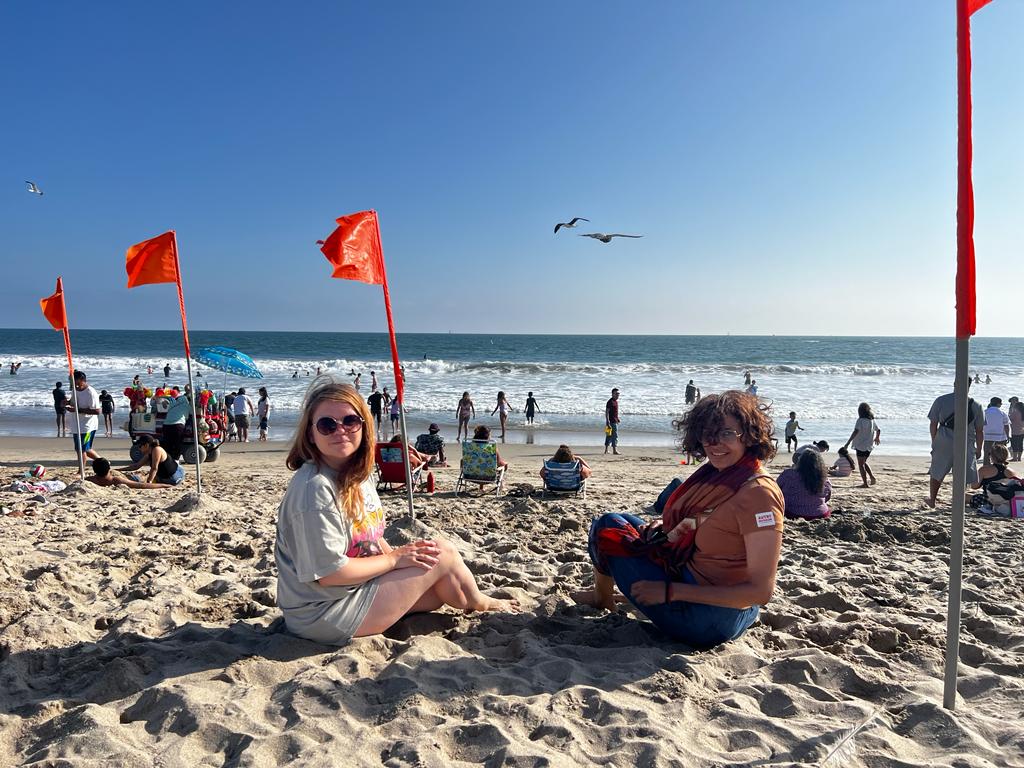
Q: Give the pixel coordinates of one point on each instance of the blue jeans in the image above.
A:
(175, 479)
(612, 438)
(696, 624)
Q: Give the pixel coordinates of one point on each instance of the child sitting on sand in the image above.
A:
(842, 466)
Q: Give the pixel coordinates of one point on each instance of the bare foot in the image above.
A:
(590, 597)
(930, 503)
(865, 485)
(873, 481)
(493, 604)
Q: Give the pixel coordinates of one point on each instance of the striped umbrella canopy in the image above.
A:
(228, 360)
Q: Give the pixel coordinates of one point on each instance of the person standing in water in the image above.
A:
(531, 408)
(611, 423)
(502, 409)
(463, 411)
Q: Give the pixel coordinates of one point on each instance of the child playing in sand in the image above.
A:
(842, 466)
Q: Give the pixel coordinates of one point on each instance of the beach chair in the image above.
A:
(564, 478)
(480, 465)
(391, 469)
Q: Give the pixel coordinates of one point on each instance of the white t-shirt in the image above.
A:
(88, 398)
(995, 423)
(865, 438)
(241, 405)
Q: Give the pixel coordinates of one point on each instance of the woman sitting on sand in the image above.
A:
(337, 576)
(806, 488)
(162, 468)
(702, 572)
(564, 455)
(997, 470)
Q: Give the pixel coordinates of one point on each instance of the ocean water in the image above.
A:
(822, 378)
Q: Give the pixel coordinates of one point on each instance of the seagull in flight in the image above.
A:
(606, 238)
(569, 224)
(34, 189)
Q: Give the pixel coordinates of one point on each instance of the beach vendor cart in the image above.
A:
(151, 423)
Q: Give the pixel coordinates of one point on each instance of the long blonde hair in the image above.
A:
(303, 448)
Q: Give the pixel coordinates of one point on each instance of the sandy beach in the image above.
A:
(140, 629)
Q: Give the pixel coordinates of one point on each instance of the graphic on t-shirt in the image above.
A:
(369, 529)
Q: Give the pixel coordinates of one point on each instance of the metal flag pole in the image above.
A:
(956, 534)
(188, 367)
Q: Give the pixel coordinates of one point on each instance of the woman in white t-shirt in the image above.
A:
(337, 576)
(865, 435)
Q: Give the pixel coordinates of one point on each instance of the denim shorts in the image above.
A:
(696, 624)
(175, 479)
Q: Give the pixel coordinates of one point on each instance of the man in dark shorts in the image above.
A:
(107, 409)
(167, 371)
(611, 423)
(60, 403)
(376, 403)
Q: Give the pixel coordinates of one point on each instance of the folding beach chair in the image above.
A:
(480, 465)
(564, 478)
(391, 470)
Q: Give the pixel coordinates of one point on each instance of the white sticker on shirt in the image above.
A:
(765, 519)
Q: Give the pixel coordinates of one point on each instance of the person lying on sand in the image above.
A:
(337, 576)
(729, 510)
(107, 477)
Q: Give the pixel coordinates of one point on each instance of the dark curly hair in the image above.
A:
(708, 415)
(811, 468)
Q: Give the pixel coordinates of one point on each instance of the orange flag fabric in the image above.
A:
(153, 261)
(53, 308)
(354, 249)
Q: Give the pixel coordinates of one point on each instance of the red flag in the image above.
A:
(53, 308)
(966, 314)
(153, 261)
(354, 248)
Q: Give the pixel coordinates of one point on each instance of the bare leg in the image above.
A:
(870, 474)
(862, 466)
(411, 590)
(933, 491)
(601, 596)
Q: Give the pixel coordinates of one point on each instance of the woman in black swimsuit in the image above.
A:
(162, 468)
(997, 470)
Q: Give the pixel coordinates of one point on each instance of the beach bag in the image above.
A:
(1000, 492)
(949, 422)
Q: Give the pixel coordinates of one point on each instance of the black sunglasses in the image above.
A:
(325, 425)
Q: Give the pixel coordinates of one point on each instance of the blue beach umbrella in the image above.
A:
(228, 360)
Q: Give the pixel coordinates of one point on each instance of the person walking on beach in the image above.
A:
(865, 435)
(376, 403)
(107, 408)
(791, 427)
(531, 408)
(89, 406)
(242, 406)
(941, 424)
(502, 409)
(746, 379)
(60, 402)
(263, 413)
(373, 381)
(338, 577)
(691, 393)
(1016, 417)
(463, 411)
(611, 423)
(997, 428)
(396, 415)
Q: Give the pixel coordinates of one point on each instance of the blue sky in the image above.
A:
(791, 165)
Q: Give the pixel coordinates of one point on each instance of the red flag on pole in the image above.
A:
(156, 261)
(354, 248)
(966, 314)
(153, 261)
(53, 308)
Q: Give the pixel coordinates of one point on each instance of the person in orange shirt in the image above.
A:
(703, 570)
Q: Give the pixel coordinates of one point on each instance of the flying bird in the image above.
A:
(569, 224)
(34, 189)
(606, 238)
